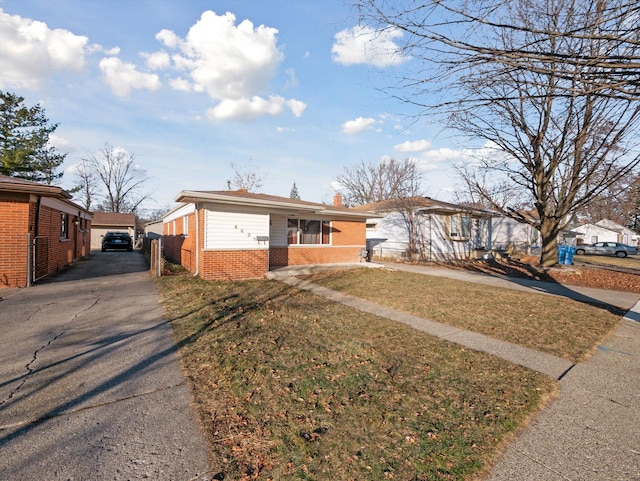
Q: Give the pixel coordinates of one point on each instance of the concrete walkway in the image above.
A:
(591, 431)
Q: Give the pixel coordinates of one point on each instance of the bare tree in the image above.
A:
(121, 181)
(246, 177)
(399, 181)
(376, 181)
(551, 85)
(87, 186)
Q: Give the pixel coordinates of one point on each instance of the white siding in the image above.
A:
(235, 230)
(506, 231)
(390, 237)
(278, 231)
(590, 233)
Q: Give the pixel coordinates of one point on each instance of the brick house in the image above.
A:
(104, 222)
(242, 235)
(42, 232)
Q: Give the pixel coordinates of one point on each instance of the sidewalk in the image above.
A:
(590, 432)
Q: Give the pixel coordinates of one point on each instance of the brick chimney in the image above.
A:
(337, 199)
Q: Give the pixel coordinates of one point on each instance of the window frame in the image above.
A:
(458, 224)
(64, 226)
(295, 234)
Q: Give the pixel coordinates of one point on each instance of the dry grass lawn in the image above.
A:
(550, 324)
(290, 386)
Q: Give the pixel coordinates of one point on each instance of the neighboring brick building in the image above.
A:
(241, 235)
(42, 231)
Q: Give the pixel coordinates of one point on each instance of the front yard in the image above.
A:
(561, 327)
(292, 386)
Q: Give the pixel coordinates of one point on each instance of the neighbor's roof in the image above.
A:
(271, 202)
(422, 204)
(13, 184)
(22, 186)
(113, 219)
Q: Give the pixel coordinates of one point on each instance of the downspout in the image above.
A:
(430, 238)
(197, 270)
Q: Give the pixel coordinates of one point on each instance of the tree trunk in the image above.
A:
(549, 230)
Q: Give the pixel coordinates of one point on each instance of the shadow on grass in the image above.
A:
(527, 278)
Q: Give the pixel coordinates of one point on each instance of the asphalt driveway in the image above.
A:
(90, 384)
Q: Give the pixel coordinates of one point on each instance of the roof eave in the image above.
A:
(196, 197)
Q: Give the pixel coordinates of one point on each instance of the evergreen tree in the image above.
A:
(24, 141)
(294, 192)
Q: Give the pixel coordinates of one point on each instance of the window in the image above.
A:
(64, 226)
(460, 227)
(292, 231)
(185, 226)
(308, 231)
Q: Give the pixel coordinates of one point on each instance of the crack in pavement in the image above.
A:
(27, 366)
(86, 408)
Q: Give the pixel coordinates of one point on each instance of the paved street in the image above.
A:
(90, 385)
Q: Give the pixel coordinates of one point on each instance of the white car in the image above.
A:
(607, 249)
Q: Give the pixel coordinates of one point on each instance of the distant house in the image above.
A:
(242, 235)
(509, 234)
(443, 231)
(605, 230)
(42, 232)
(153, 230)
(104, 222)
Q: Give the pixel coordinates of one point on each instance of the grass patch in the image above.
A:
(555, 325)
(630, 262)
(291, 386)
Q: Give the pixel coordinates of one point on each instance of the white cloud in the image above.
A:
(232, 63)
(447, 154)
(358, 125)
(31, 51)
(181, 84)
(112, 52)
(297, 107)
(364, 45)
(226, 60)
(249, 108)
(157, 60)
(123, 77)
(415, 146)
(58, 142)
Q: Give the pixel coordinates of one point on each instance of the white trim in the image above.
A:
(179, 212)
(64, 207)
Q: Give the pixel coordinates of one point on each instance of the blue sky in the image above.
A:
(290, 87)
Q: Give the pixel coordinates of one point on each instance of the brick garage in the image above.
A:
(43, 231)
(241, 235)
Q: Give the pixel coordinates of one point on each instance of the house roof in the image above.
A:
(614, 226)
(113, 219)
(270, 202)
(13, 184)
(425, 204)
(22, 186)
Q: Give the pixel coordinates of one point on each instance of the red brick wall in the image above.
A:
(14, 239)
(179, 248)
(18, 221)
(300, 255)
(232, 265)
(61, 251)
(347, 233)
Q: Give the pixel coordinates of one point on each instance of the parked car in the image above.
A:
(607, 249)
(117, 240)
